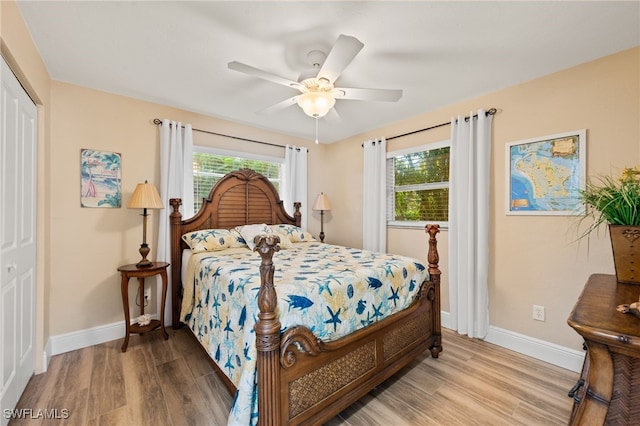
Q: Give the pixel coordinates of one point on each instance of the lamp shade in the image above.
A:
(316, 104)
(145, 196)
(322, 203)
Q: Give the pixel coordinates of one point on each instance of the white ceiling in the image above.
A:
(439, 53)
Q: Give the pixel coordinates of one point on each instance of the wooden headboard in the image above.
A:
(242, 197)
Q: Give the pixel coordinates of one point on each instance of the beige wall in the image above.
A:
(533, 259)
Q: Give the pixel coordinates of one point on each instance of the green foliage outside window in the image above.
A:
(210, 168)
(421, 186)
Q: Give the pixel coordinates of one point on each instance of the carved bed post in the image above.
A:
(175, 220)
(268, 335)
(297, 215)
(434, 275)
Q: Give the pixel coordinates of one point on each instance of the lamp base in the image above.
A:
(144, 263)
(144, 251)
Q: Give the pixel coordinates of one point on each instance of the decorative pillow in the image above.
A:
(249, 232)
(285, 242)
(213, 240)
(295, 234)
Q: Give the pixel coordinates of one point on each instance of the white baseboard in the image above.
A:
(552, 353)
(84, 338)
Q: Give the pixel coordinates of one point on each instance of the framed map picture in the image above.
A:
(100, 178)
(545, 175)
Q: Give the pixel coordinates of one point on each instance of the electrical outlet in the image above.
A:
(538, 313)
(147, 294)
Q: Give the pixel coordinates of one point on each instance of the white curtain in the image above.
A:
(176, 181)
(294, 181)
(469, 224)
(374, 209)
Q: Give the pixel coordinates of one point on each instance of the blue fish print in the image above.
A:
(231, 285)
(362, 305)
(412, 285)
(350, 291)
(419, 267)
(217, 355)
(404, 273)
(246, 352)
(299, 302)
(374, 282)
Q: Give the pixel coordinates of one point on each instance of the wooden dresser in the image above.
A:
(608, 391)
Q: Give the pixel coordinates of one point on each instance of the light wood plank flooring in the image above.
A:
(159, 382)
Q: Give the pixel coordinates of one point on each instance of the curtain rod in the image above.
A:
(158, 122)
(491, 111)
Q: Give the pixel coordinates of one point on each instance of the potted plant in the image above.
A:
(616, 202)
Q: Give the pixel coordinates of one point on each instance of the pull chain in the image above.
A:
(316, 129)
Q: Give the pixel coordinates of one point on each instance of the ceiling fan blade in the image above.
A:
(385, 95)
(279, 106)
(248, 69)
(344, 50)
(332, 116)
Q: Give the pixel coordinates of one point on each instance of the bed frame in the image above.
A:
(313, 385)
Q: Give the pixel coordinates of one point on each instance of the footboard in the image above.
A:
(322, 379)
(302, 380)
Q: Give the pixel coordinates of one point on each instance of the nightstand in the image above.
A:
(132, 271)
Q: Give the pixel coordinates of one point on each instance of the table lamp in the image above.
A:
(145, 197)
(322, 204)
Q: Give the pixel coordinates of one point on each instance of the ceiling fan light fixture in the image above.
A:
(316, 104)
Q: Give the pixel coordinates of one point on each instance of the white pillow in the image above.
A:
(249, 232)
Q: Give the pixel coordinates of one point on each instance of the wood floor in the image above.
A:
(159, 382)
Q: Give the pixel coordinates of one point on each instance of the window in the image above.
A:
(210, 165)
(418, 185)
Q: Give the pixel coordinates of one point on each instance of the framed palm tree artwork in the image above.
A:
(100, 178)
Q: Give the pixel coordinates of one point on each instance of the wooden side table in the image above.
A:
(132, 271)
(607, 390)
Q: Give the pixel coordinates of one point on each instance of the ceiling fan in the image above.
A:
(318, 93)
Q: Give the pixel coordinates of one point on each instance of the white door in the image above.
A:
(17, 239)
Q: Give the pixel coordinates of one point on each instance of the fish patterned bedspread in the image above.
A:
(332, 290)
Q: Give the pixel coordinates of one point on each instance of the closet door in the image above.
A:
(17, 238)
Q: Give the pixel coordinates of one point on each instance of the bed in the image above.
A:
(301, 378)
